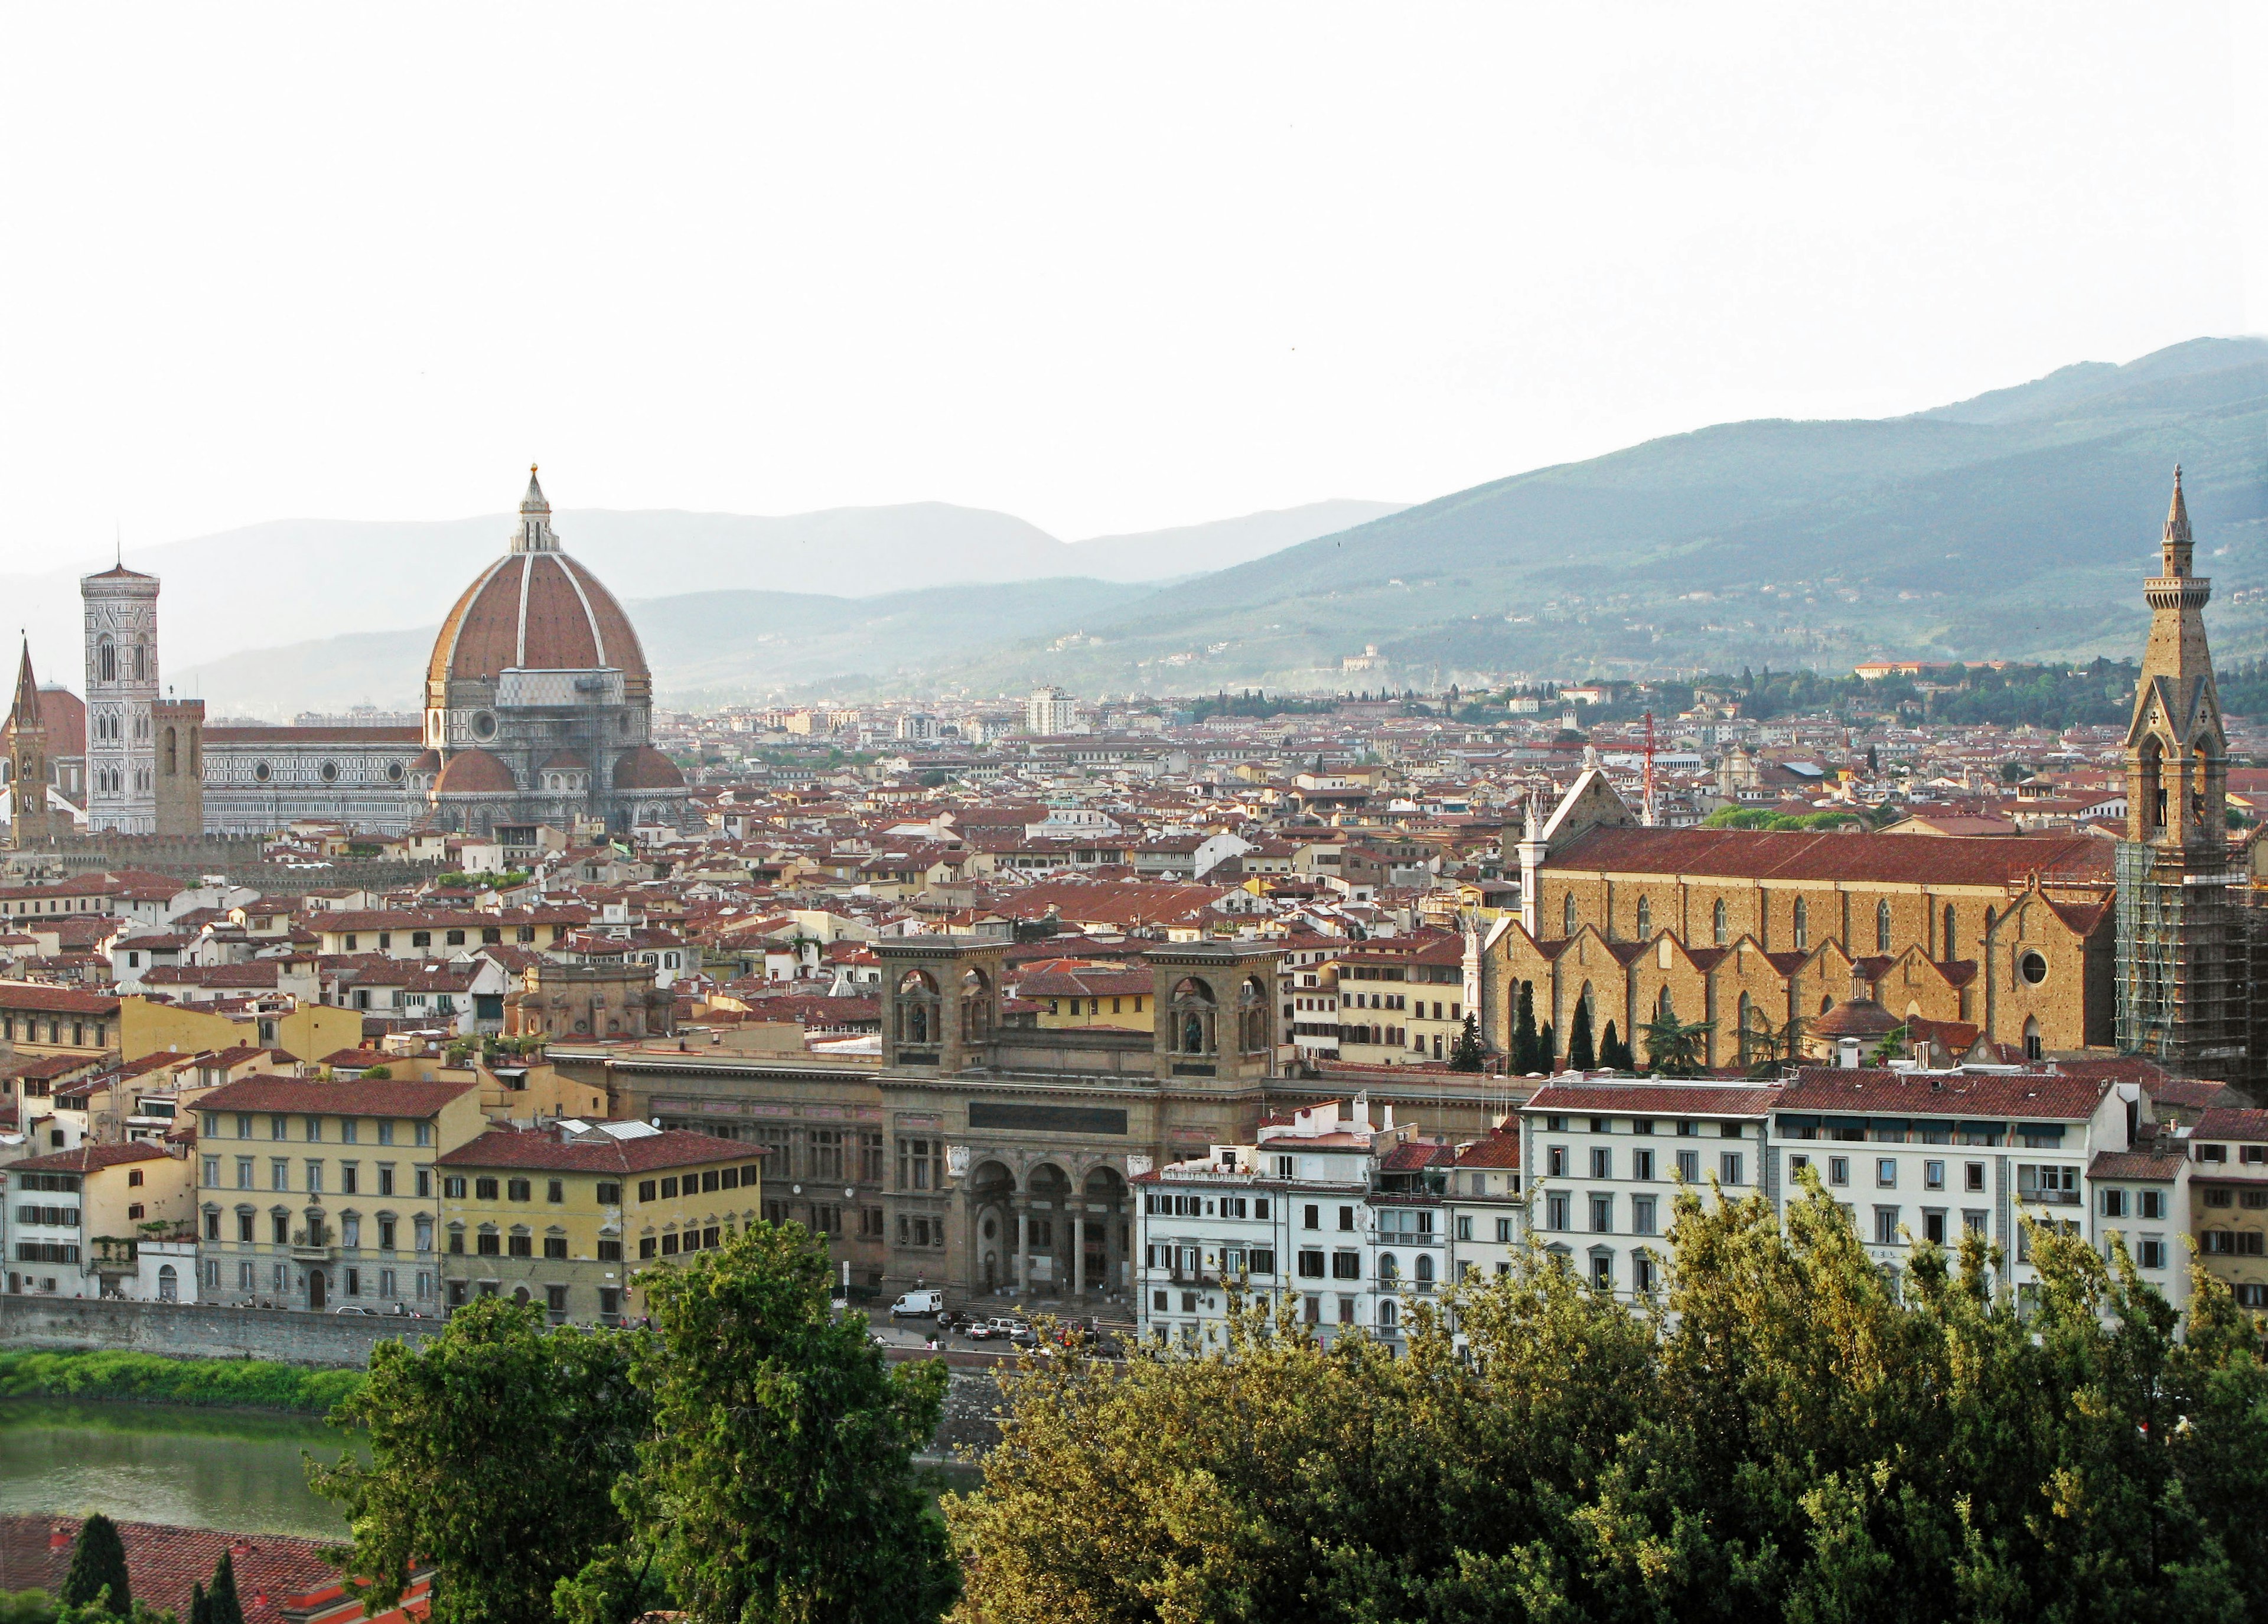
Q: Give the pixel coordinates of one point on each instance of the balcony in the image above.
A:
(312, 1245)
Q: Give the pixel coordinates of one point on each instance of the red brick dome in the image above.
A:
(475, 772)
(645, 768)
(535, 609)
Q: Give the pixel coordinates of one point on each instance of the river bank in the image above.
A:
(120, 1378)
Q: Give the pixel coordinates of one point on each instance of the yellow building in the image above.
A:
(73, 1215)
(307, 1030)
(2229, 1199)
(38, 1019)
(1099, 996)
(317, 1195)
(565, 1215)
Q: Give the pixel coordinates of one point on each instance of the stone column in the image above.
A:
(1077, 1253)
(1023, 1245)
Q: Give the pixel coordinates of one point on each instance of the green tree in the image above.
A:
(1547, 1049)
(1524, 1057)
(97, 1575)
(1675, 1048)
(1470, 1054)
(200, 1605)
(1581, 1056)
(221, 1604)
(1614, 1054)
(494, 1450)
(778, 1482)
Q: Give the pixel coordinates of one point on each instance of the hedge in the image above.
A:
(153, 1378)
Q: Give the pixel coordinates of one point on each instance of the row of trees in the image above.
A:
(1792, 1432)
(98, 1588)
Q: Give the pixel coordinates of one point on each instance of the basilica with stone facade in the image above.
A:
(538, 710)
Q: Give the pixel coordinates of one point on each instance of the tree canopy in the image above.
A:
(1789, 1431)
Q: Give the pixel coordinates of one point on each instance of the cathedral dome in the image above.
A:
(534, 609)
(645, 768)
(475, 772)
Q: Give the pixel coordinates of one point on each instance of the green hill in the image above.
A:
(2016, 524)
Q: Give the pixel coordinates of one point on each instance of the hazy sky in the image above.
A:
(1105, 268)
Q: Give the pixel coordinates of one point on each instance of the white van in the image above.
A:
(918, 1305)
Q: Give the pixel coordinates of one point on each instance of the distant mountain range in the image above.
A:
(2018, 523)
(297, 580)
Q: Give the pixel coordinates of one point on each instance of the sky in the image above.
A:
(1107, 269)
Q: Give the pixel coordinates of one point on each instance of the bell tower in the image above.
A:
(2181, 974)
(30, 822)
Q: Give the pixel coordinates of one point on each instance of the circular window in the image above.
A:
(484, 725)
(330, 772)
(2033, 968)
(260, 771)
(394, 772)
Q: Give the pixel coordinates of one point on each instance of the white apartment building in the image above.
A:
(1298, 1202)
(1049, 712)
(1486, 1210)
(1916, 1155)
(1606, 1159)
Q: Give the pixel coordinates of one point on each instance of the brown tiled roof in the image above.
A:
(54, 1000)
(163, 1562)
(1653, 1099)
(2183, 1091)
(2148, 1166)
(2230, 1122)
(89, 1157)
(505, 1147)
(1500, 1149)
(2039, 1094)
(362, 1098)
(1415, 1154)
(1758, 853)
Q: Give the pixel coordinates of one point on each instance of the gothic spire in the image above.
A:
(27, 712)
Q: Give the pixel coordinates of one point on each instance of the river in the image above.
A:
(154, 1463)
(236, 1470)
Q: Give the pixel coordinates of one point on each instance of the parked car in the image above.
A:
(1003, 1328)
(918, 1306)
(351, 1308)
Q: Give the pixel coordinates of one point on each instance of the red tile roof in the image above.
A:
(2230, 1122)
(54, 1000)
(1758, 854)
(2044, 1095)
(2143, 1166)
(1610, 1095)
(505, 1147)
(163, 1562)
(361, 1097)
(1500, 1149)
(89, 1157)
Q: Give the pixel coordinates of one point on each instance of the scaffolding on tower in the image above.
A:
(1649, 815)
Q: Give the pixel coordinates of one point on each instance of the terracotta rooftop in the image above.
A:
(362, 1098)
(1755, 854)
(505, 1147)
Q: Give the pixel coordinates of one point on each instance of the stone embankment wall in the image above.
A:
(344, 1341)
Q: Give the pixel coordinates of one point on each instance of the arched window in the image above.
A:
(1882, 926)
(1945, 948)
(1802, 925)
(1645, 919)
(975, 1006)
(173, 755)
(2032, 1048)
(1389, 1269)
(917, 1008)
(1193, 1019)
(141, 660)
(1719, 924)
(106, 659)
(1256, 1032)
(1389, 1315)
(1424, 1271)
(1663, 1008)
(1746, 1027)
(1567, 916)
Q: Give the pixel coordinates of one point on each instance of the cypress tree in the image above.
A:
(97, 1562)
(221, 1605)
(200, 1606)
(1614, 1054)
(1581, 1056)
(1524, 1058)
(1547, 1050)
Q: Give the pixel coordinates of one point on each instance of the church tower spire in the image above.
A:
(28, 822)
(2182, 994)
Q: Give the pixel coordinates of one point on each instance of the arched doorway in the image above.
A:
(1048, 1219)
(1103, 1240)
(315, 1293)
(991, 1194)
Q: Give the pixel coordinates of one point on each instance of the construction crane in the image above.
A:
(1649, 817)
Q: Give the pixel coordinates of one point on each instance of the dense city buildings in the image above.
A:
(1119, 1002)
